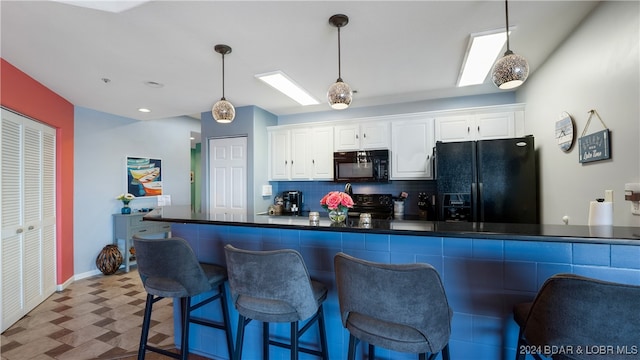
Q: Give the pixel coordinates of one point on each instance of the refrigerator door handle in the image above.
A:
(474, 205)
(480, 203)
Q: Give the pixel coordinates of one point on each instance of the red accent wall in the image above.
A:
(23, 94)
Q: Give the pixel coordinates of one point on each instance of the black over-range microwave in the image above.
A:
(361, 166)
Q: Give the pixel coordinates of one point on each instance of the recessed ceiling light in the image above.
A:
(144, 110)
(281, 82)
(482, 52)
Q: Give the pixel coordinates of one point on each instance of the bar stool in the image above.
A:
(274, 286)
(400, 307)
(169, 268)
(572, 311)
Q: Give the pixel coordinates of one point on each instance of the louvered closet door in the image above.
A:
(27, 251)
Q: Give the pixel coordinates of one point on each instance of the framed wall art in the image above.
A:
(144, 176)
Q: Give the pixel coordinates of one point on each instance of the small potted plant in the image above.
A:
(126, 199)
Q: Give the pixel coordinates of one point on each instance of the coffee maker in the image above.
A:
(292, 202)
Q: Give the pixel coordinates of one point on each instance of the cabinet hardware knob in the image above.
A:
(468, 129)
(31, 227)
(286, 162)
(356, 136)
(313, 161)
(478, 128)
(364, 135)
(19, 231)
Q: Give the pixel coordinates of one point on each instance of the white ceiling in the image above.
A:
(392, 51)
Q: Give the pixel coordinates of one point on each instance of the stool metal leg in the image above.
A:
(265, 340)
(294, 340)
(445, 353)
(323, 334)
(372, 352)
(145, 327)
(242, 322)
(185, 304)
(225, 319)
(351, 355)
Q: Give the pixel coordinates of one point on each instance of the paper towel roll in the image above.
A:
(601, 213)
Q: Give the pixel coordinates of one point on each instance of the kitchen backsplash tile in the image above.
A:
(313, 191)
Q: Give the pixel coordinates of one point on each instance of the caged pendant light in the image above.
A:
(511, 70)
(339, 94)
(223, 111)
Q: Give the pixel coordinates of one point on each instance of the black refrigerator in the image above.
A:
(487, 181)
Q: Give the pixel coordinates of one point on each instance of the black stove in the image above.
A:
(380, 206)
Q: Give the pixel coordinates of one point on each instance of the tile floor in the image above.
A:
(94, 318)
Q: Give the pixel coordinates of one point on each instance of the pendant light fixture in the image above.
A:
(339, 94)
(223, 111)
(511, 70)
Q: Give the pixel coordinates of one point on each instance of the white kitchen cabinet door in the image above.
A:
(367, 135)
(322, 154)
(300, 153)
(27, 251)
(279, 158)
(454, 128)
(347, 137)
(495, 125)
(478, 126)
(412, 149)
(375, 135)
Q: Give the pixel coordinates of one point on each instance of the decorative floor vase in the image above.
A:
(109, 259)
(337, 216)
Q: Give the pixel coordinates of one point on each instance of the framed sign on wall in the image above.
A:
(144, 176)
(595, 146)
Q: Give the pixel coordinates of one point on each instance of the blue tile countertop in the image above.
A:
(617, 235)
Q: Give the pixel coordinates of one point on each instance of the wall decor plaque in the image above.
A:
(595, 146)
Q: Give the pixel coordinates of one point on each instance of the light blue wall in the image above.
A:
(102, 143)
(252, 122)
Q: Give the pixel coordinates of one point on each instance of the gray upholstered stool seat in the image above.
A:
(576, 311)
(169, 269)
(274, 286)
(401, 307)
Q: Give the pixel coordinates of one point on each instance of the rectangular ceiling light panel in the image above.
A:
(102, 5)
(482, 52)
(281, 82)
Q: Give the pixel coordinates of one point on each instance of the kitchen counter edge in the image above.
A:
(614, 235)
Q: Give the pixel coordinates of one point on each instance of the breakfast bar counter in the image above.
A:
(486, 268)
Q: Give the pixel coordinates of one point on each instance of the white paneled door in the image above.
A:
(228, 178)
(28, 215)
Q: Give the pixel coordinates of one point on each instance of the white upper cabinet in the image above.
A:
(305, 151)
(362, 136)
(279, 155)
(301, 153)
(322, 154)
(412, 144)
(479, 126)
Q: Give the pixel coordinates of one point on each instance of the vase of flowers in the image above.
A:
(126, 199)
(337, 203)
